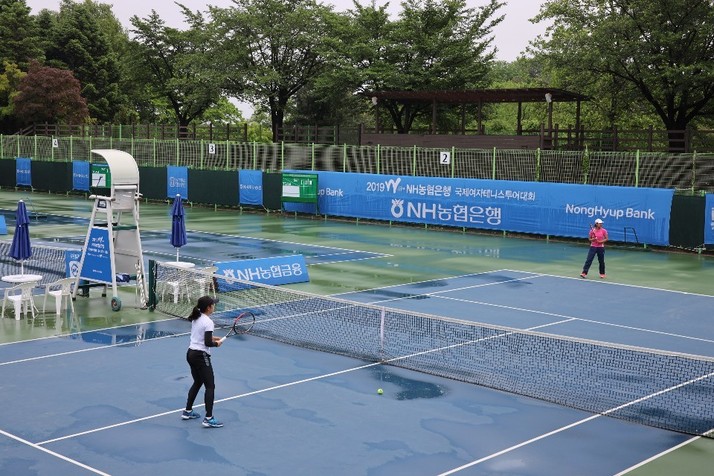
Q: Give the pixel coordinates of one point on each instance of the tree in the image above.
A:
(434, 45)
(272, 49)
(659, 53)
(177, 64)
(19, 36)
(80, 42)
(48, 94)
(9, 84)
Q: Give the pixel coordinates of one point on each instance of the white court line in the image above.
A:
(91, 349)
(242, 395)
(545, 313)
(252, 238)
(276, 387)
(625, 285)
(461, 276)
(657, 456)
(605, 413)
(533, 311)
(50, 452)
(57, 336)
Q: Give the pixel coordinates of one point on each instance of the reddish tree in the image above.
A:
(49, 95)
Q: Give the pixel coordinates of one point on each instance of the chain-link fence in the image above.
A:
(690, 172)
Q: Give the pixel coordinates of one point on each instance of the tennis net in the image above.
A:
(47, 261)
(661, 389)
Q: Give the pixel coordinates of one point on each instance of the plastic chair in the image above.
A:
(20, 295)
(60, 289)
(205, 281)
(175, 285)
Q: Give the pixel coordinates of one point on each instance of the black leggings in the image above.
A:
(202, 373)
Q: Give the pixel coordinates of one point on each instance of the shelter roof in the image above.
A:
(475, 96)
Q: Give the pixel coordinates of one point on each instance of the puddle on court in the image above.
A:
(408, 389)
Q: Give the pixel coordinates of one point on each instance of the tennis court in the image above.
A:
(100, 392)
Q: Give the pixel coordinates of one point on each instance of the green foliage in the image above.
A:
(50, 95)
(176, 65)
(9, 84)
(223, 112)
(636, 59)
(79, 42)
(431, 46)
(272, 49)
(19, 35)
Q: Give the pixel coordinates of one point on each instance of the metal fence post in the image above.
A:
(493, 165)
(694, 171)
(414, 159)
(453, 161)
(378, 157)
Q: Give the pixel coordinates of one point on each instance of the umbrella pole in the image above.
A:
(177, 255)
(22, 266)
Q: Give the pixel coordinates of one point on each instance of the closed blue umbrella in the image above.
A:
(21, 248)
(178, 225)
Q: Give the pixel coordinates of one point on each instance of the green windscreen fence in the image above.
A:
(686, 226)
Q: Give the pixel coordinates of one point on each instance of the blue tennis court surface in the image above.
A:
(109, 401)
(157, 245)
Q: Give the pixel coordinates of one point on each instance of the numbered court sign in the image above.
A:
(445, 157)
(211, 149)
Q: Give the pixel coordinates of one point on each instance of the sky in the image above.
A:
(511, 36)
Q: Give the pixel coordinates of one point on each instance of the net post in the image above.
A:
(381, 334)
(152, 285)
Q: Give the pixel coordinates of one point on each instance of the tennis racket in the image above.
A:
(241, 325)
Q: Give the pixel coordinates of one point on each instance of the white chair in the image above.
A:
(205, 281)
(175, 285)
(60, 289)
(21, 298)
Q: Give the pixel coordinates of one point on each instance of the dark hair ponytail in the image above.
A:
(195, 314)
(203, 303)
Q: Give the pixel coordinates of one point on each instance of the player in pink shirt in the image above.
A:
(598, 237)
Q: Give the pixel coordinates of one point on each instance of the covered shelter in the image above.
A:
(477, 97)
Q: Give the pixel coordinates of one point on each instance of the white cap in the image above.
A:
(598, 221)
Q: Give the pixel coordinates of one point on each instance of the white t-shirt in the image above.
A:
(199, 327)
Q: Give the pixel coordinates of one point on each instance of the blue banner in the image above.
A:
(709, 219)
(71, 263)
(177, 182)
(97, 264)
(525, 207)
(23, 171)
(80, 175)
(3, 225)
(274, 271)
(250, 184)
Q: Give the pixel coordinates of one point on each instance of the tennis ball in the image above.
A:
(380, 391)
